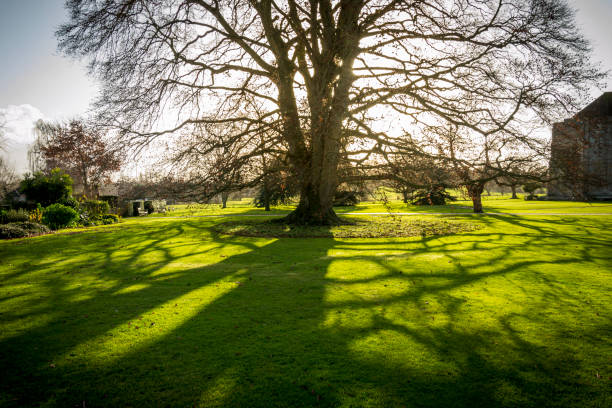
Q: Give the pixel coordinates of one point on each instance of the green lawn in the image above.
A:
(164, 312)
(494, 204)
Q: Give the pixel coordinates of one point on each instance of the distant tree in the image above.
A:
(434, 196)
(410, 173)
(512, 182)
(81, 151)
(7, 173)
(477, 159)
(8, 180)
(530, 189)
(47, 189)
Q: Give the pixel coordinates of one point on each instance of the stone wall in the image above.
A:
(581, 157)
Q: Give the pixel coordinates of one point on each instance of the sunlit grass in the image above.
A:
(156, 312)
(497, 204)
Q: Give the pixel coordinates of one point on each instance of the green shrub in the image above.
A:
(47, 189)
(110, 218)
(530, 189)
(346, 198)
(148, 206)
(14, 216)
(8, 231)
(58, 216)
(434, 196)
(32, 227)
(70, 202)
(95, 209)
(21, 229)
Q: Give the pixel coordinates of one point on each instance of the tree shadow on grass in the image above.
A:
(292, 322)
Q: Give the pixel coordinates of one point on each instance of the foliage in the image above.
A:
(110, 218)
(36, 214)
(80, 150)
(22, 229)
(71, 202)
(346, 198)
(58, 216)
(155, 206)
(530, 188)
(274, 194)
(148, 206)
(13, 215)
(434, 196)
(112, 200)
(95, 208)
(8, 231)
(47, 189)
(8, 179)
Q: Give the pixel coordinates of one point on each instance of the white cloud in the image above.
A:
(17, 127)
(19, 122)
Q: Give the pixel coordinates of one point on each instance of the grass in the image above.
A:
(166, 312)
(494, 204)
(357, 227)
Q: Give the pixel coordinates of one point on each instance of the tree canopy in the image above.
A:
(81, 151)
(323, 82)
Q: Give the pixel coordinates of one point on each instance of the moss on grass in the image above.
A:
(359, 227)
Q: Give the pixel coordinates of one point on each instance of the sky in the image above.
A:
(37, 82)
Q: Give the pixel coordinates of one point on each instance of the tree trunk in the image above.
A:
(314, 208)
(224, 197)
(475, 192)
(405, 196)
(266, 198)
(513, 187)
(318, 171)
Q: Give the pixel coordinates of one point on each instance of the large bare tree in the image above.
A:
(326, 81)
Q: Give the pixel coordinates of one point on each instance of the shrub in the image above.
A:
(32, 227)
(110, 218)
(36, 215)
(113, 201)
(347, 198)
(155, 206)
(58, 216)
(95, 209)
(148, 206)
(8, 231)
(21, 229)
(14, 216)
(433, 196)
(530, 188)
(47, 189)
(70, 202)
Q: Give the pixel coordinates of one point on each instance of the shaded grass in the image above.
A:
(163, 312)
(357, 227)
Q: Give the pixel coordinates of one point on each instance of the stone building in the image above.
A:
(581, 156)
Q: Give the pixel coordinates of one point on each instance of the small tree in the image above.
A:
(81, 151)
(434, 196)
(530, 189)
(47, 189)
(7, 178)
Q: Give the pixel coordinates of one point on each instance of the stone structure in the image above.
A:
(581, 157)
